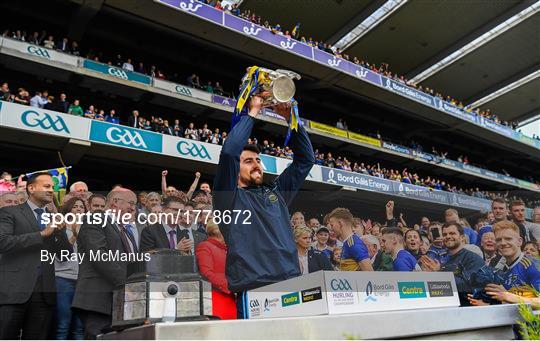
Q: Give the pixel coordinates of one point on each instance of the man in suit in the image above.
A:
(62, 105)
(27, 283)
(98, 278)
(169, 235)
(133, 120)
(380, 260)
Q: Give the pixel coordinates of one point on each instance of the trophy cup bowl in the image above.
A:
(275, 86)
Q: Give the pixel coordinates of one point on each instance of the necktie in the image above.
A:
(39, 212)
(129, 234)
(172, 244)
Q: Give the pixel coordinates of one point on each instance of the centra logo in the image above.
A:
(290, 299)
(412, 290)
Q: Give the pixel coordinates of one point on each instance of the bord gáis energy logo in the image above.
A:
(43, 120)
(412, 290)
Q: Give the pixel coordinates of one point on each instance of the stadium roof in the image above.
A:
(416, 35)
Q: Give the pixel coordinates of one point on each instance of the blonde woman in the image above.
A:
(310, 260)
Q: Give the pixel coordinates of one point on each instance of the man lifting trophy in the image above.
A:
(261, 247)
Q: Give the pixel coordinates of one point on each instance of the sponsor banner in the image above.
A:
(407, 91)
(440, 289)
(300, 296)
(396, 148)
(333, 61)
(182, 90)
(452, 163)
(525, 139)
(310, 295)
(364, 139)
(290, 299)
(497, 127)
(327, 129)
(367, 75)
(527, 184)
(492, 174)
(420, 193)
(342, 292)
(191, 149)
(116, 72)
(509, 179)
(356, 180)
(270, 113)
(40, 51)
(466, 201)
(261, 33)
(196, 8)
(425, 156)
(44, 121)
(229, 102)
(292, 45)
(282, 164)
(455, 111)
(123, 136)
(269, 164)
(472, 169)
(412, 290)
(384, 291)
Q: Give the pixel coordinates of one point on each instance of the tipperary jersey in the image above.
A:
(354, 250)
(521, 276)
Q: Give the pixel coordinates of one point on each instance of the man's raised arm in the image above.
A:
(292, 178)
(229, 158)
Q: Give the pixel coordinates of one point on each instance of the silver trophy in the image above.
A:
(277, 86)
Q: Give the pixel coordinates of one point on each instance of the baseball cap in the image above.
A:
(323, 229)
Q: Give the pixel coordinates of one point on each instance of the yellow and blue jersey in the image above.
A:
(354, 250)
(521, 276)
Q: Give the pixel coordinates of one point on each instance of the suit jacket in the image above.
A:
(21, 245)
(133, 121)
(318, 261)
(154, 237)
(97, 279)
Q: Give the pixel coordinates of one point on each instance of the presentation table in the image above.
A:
(489, 322)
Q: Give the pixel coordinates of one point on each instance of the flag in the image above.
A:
(294, 121)
(60, 181)
(296, 31)
(248, 88)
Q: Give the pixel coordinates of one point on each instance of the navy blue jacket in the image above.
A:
(264, 251)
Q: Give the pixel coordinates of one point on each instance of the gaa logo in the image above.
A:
(125, 137)
(254, 303)
(43, 120)
(183, 90)
(340, 284)
(38, 51)
(191, 149)
(117, 73)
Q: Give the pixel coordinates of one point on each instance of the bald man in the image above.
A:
(98, 278)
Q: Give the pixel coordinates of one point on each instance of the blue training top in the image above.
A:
(260, 249)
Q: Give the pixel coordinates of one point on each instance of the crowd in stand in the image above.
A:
(383, 68)
(72, 47)
(501, 247)
(176, 127)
